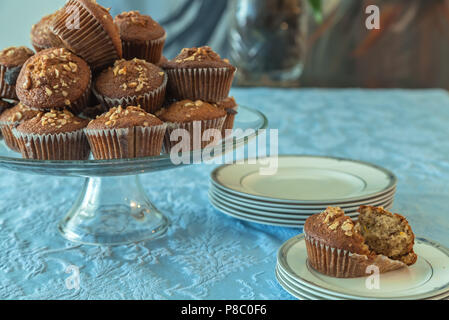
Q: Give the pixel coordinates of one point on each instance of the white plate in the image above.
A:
(236, 215)
(294, 207)
(298, 290)
(249, 216)
(307, 180)
(293, 290)
(427, 278)
(352, 211)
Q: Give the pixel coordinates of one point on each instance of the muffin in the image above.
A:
(231, 107)
(196, 117)
(11, 62)
(199, 74)
(41, 34)
(339, 247)
(55, 79)
(124, 133)
(131, 83)
(142, 37)
(4, 105)
(97, 40)
(10, 119)
(54, 135)
(162, 61)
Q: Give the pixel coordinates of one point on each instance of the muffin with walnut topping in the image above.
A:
(196, 118)
(142, 37)
(131, 83)
(11, 62)
(340, 247)
(124, 133)
(55, 79)
(53, 135)
(199, 74)
(10, 119)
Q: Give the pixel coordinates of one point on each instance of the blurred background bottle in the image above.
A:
(267, 41)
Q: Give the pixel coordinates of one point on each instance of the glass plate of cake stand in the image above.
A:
(112, 208)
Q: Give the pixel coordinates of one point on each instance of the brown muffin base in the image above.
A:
(6, 91)
(340, 263)
(190, 128)
(130, 143)
(207, 84)
(91, 42)
(150, 50)
(229, 123)
(62, 146)
(150, 102)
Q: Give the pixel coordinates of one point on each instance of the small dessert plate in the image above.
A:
(426, 279)
(306, 180)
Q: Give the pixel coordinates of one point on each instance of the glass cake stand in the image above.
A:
(112, 207)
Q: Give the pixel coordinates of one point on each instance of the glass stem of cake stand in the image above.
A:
(113, 211)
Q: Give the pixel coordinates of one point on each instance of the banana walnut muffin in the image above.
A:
(199, 74)
(53, 135)
(340, 247)
(55, 79)
(125, 133)
(132, 83)
(11, 61)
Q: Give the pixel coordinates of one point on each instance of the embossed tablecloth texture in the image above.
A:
(207, 255)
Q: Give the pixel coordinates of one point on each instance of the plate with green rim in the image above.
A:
(305, 180)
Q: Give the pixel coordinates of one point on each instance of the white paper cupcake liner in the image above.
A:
(61, 146)
(192, 144)
(341, 263)
(6, 91)
(126, 143)
(150, 102)
(90, 41)
(206, 84)
(150, 50)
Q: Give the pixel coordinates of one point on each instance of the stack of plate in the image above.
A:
(300, 187)
(427, 279)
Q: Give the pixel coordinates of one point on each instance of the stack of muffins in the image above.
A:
(104, 86)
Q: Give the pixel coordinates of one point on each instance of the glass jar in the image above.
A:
(268, 41)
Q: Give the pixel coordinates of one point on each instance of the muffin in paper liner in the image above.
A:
(8, 136)
(207, 84)
(7, 91)
(60, 146)
(150, 50)
(99, 45)
(150, 102)
(126, 143)
(342, 263)
(193, 128)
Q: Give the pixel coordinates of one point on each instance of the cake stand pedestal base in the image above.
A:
(113, 211)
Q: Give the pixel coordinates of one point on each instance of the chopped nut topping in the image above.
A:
(48, 91)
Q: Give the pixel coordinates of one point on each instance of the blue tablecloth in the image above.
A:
(207, 255)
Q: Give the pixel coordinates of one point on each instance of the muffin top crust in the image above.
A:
(15, 56)
(53, 78)
(17, 114)
(198, 58)
(52, 122)
(4, 106)
(122, 118)
(188, 110)
(130, 78)
(40, 32)
(134, 26)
